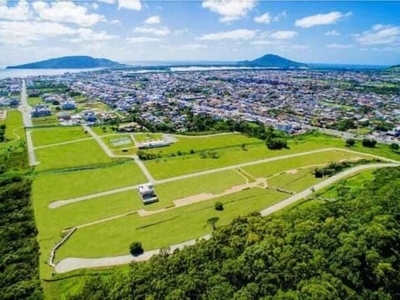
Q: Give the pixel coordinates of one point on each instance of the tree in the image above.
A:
(136, 248)
(394, 146)
(370, 143)
(276, 143)
(212, 221)
(219, 206)
(350, 142)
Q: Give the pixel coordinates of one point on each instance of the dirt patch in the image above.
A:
(293, 171)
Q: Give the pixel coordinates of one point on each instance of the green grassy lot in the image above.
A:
(211, 183)
(143, 137)
(125, 151)
(45, 121)
(163, 229)
(271, 168)
(14, 125)
(105, 130)
(198, 144)
(32, 101)
(54, 135)
(65, 185)
(295, 182)
(82, 153)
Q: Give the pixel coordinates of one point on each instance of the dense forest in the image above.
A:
(342, 249)
(19, 250)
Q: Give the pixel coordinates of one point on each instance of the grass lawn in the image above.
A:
(64, 185)
(105, 130)
(55, 135)
(297, 182)
(82, 153)
(144, 137)
(43, 121)
(212, 183)
(14, 125)
(50, 222)
(179, 165)
(125, 151)
(271, 168)
(32, 101)
(160, 230)
(198, 144)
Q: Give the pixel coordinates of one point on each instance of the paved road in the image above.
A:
(115, 191)
(24, 107)
(31, 150)
(63, 143)
(321, 185)
(70, 264)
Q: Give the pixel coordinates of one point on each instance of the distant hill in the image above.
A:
(394, 69)
(273, 61)
(70, 62)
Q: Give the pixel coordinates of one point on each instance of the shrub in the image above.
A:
(394, 147)
(370, 143)
(219, 206)
(136, 248)
(276, 143)
(350, 142)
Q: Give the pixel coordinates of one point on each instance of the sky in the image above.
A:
(348, 32)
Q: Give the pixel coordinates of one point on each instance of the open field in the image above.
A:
(198, 144)
(212, 183)
(82, 153)
(32, 101)
(54, 135)
(14, 125)
(295, 182)
(64, 185)
(271, 168)
(176, 225)
(144, 137)
(45, 121)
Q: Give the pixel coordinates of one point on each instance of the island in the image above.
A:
(70, 62)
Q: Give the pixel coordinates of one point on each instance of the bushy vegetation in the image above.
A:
(346, 249)
(370, 143)
(19, 250)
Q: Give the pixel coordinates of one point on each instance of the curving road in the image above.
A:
(71, 263)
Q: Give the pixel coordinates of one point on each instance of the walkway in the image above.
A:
(70, 264)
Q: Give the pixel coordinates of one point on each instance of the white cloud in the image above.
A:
(321, 19)
(130, 4)
(339, 46)
(116, 22)
(263, 43)
(66, 12)
(153, 20)
(379, 35)
(19, 12)
(238, 34)
(87, 34)
(95, 6)
(142, 40)
(281, 15)
(163, 31)
(107, 1)
(23, 33)
(265, 18)
(283, 35)
(186, 47)
(230, 10)
(332, 33)
(181, 31)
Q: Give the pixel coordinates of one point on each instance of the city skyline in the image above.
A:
(211, 30)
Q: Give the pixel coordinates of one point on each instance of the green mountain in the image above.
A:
(394, 69)
(273, 61)
(70, 62)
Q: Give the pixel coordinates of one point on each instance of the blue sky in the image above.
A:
(133, 30)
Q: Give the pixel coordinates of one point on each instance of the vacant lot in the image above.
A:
(65, 185)
(144, 137)
(212, 183)
(295, 182)
(82, 153)
(14, 125)
(163, 229)
(55, 135)
(118, 141)
(32, 101)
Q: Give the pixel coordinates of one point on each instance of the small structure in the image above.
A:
(147, 193)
